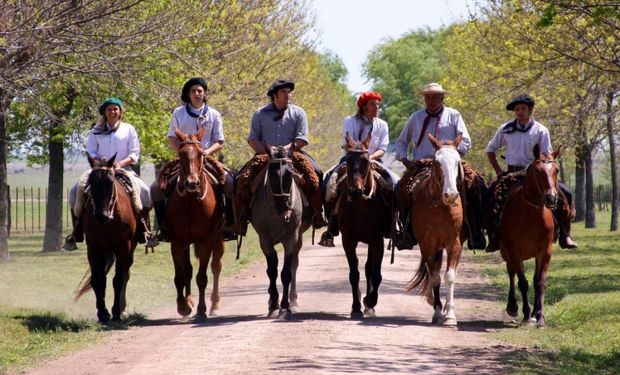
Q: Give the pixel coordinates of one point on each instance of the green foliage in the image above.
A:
(334, 66)
(398, 68)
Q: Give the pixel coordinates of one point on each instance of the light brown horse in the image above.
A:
(363, 211)
(110, 228)
(437, 219)
(194, 216)
(527, 232)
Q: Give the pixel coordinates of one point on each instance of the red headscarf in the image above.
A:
(367, 96)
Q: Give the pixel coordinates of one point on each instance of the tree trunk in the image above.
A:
(5, 101)
(615, 200)
(52, 240)
(580, 184)
(590, 204)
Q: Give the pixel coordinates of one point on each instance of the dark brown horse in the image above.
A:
(194, 216)
(437, 220)
(362, 216)
(110, 228)
(527, 232)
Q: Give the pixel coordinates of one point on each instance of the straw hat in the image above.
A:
(432, 88)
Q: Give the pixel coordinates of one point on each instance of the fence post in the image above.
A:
(24, 200)
(8, 222)
(16, 208)
(31, 209)
(39, 207)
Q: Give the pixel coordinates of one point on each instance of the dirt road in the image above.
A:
(320, 340)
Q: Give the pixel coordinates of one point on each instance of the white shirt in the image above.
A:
(358, 130)
(123, 142)
(207, 117)
(520, 145)
(450, 125)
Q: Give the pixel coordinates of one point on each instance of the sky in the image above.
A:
(351, 28)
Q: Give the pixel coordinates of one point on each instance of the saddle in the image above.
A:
(338, 180)
(127, 180)
(169, 173)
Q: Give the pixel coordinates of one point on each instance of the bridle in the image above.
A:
(440, 183)
(113, 198)
(373, 186)
(201, 174)
(540, 192)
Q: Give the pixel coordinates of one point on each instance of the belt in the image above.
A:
(515, 168)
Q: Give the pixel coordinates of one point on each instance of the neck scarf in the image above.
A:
(515, 126)
(427, 121)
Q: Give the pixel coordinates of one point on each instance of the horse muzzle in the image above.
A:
(449, 199)
(191, 185)
(551, 201)
(355, 193)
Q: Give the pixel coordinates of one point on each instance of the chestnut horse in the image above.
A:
(527, 232)
(362, 216)
(279, 216)
(437, 220)
(110, 229)
(194, 216)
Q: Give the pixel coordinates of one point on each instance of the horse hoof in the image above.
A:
(437, 320)
(295, 308)
(540, 324)
(272, 313)
(184, 310)
(370, 312)
(103, 317)
(449, 322)
(285, 314)
(200, 318)
(512, 310)
(528, 322)
(214, 312)
(356, 315)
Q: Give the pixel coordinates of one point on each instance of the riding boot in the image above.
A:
(317, 206)
(476, 240)
(160, 215)
(565, 241)
(327, 238)
(404, 238)
(494, 233)
(144, 225)
(229, 214)
(77, 235)
(243, 212)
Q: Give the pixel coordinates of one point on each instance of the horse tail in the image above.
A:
(84, 285)
(421, 281)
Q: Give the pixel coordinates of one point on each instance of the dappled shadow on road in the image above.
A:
(353, 357)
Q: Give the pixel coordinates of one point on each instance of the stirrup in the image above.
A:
(70, 243)
(327, 239)
(403, 240)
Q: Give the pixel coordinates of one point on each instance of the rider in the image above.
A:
(189, 118)
(359, 126)
(519, 136)
(279, 123)
(444, 123)
(109, 137)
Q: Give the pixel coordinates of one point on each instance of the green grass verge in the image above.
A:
(582, 307)
(38, 317)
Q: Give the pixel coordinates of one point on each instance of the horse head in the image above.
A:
(447, 164)
(101, 182)
(543, 173)
(280, 174)
(359, 171)
(191, 159)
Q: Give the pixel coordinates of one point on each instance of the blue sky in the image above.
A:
(351, 28)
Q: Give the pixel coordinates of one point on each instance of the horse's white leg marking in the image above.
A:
(450, 317)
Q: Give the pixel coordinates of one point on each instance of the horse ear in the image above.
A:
(91, 160)
(179, 134)
(536, 152)
(110, 162)
(436, 144)
(200, 134)
(347, 137)
(366, 142)
(557, 153)
(457, 140)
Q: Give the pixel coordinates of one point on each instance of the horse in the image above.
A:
(362, 216)
(279, 216)
(437, 221)
(195, 216)
(110, 227)
(528, 210)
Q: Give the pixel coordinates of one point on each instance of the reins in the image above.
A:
(373, 185)
(525, 198)
(114, 197)
(202, 175)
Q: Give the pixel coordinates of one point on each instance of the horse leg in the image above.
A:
(98, 284)
(375, 255)
(285, 276)
(292, 292)
(123, 298)
(121, 276)
(512, 308)
(433, 265)
(272, 272)
(201, 280)
(454, 255)
(179, 255)
(354, 276)
(523, 287)
(216, 269)
(540, 285)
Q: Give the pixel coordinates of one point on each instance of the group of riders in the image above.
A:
(281, 123)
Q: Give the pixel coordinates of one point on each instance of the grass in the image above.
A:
(38, 317)
(582, 307)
